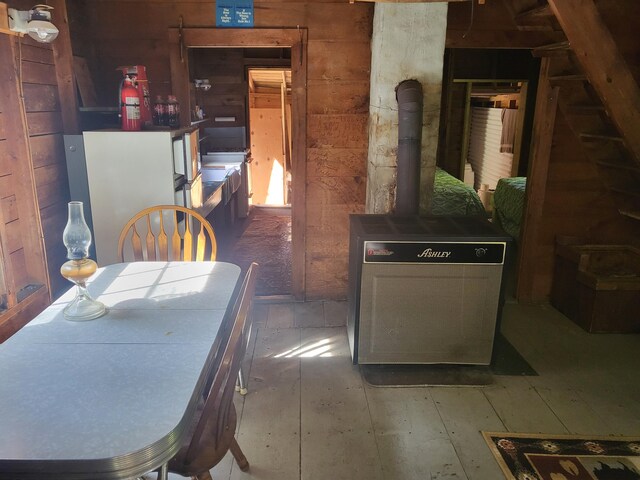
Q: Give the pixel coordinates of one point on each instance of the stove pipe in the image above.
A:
(409, 97)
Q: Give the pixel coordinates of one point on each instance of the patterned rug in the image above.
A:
(267, 241)
(565, 457)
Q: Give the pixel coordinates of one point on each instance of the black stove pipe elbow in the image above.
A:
(409, 97)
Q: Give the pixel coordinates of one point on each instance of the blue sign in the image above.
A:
(234, 13)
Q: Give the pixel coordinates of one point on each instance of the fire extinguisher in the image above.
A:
(129, 105)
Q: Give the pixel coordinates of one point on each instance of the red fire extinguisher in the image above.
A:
(138, 75)
(129, 105)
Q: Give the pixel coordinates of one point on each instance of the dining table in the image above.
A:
(113, 397)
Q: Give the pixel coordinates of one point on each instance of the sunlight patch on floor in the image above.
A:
(321, 348)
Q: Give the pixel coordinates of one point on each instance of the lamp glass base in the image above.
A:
(84, 308)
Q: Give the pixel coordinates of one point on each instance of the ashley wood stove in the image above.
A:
(424, 290)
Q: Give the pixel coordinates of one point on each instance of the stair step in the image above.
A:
(534, 13)
(573, 77)
(630, 213)
(626, 191)
(619, 166)
(585, 109)
(600, 136)
(553, 49)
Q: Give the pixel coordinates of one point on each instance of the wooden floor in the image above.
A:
(308, 414)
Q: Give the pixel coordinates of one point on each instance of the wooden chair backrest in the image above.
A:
(219, 401)
(168, 233)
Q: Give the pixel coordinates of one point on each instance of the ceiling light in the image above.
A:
(36, 23)
(40, 27)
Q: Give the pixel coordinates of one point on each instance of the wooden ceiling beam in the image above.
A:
(481, 2)
(603, 64)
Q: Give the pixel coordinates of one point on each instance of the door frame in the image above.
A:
(180, 39)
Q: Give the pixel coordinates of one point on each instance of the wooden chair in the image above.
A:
(215, 425)
(160, 223)
(167, 232)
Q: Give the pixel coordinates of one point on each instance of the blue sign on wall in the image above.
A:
(234, 13)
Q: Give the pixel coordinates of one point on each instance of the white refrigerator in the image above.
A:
(127, 172)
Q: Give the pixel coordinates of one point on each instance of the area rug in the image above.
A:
(267, 241)
(525, 456)
(506, 361)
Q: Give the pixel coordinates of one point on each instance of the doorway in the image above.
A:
(493, 129)
(180, 40)
(492, 149)
(270, 136)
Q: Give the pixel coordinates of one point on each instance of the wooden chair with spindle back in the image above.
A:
(166, 233)
(158, 225)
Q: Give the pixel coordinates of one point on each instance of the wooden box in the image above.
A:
(598, 286)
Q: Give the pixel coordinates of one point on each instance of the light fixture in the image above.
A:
(202, 84)
(36, 23)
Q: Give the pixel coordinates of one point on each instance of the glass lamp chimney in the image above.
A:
(76, 235)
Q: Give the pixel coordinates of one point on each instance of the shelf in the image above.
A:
(99, 109)
(200, 122)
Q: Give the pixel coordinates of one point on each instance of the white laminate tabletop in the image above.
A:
(111, 397)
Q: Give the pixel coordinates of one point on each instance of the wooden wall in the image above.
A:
(23, 279)
(112, 33)
(45, 129)
(33, 178)
(42, 105)
(226, 69)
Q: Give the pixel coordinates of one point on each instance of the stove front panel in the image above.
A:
(428, 313)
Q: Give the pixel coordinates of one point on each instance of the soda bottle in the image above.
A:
(173, 111)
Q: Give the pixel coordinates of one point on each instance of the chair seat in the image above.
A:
(211, 452)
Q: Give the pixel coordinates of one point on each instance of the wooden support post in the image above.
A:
(517, 147)
(180, 75)
(543, 126)
(466, 131)
(63, 57)
(285, 153)
(299, 163)
(4, 16)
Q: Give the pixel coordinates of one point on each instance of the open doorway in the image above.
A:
(493, 133)
(492, 150)
(184, 41)
(270, 136)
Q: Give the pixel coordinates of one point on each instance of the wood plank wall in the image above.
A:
(225, 70)
(26, 290)
(42, 105)
(126, 32)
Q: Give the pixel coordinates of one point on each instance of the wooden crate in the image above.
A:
(598, 287)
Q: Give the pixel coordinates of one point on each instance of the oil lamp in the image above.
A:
(77, 238)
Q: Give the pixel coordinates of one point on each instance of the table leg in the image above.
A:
(163, 472)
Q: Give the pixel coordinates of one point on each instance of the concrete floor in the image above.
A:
(309, 415)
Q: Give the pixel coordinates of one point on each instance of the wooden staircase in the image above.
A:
(599, 96)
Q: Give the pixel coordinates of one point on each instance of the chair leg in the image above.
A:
(203, 476)
(240, 386)
(243, 463)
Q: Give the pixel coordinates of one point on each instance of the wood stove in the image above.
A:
(424, 290)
